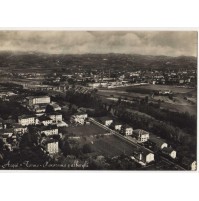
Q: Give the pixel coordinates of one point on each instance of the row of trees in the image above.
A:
(182, 120)
(175, 135)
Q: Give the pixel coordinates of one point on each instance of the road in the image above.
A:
(133, 143)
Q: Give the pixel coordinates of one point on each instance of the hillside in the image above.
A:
(22, 60)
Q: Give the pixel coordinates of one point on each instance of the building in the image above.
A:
(143, 156)
(26, 120)
(62, 124)
(126, 130)
(189, 164)
(49, 130)
(169, 152)
(116, 125)
(141, 135)
(158, 143)
(52, 146)
(107, 121)
(34, 100)
(55, 106)
(19, 129)
(45, 120)
(39, 108)
(79, 118)
(55, 116)
(94, 84)
(5, 134)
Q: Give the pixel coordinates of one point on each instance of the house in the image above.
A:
(169, 152)
(116, 125)
(107, 121)
(158, 143)
(5, 134)
(55, 116)
(55, 106)
(126, 130)
(79, 118)
(26, 120)
(189, 164)
(143, 156)
(52, 146)
(19, 129)
(141, 135)
(39, 108)
(45, 120)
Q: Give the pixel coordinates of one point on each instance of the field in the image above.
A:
(150, 88)
(184, 99)
(112, 146)
(84, 130)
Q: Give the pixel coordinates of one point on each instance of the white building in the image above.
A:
(169, 152)
(143, 157)
(79, 118)
(55, 106)
(158, 143)
(107, 121)
(52, 146)
(45, 120)
(33, 100)
(141, 135)
(26, 120)
(126, 130)
(19, 129)
(56, 117)
(189, 164)
(48, 131)
(117, 126)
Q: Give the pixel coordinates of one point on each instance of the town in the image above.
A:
(109, 117)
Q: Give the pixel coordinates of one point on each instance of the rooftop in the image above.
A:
(105, 118)
(44, 118)
(31, 97)
(140, 132)
(168, 150)
(157, 141)
(25, 116)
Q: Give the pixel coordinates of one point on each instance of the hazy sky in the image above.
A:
(172, 43)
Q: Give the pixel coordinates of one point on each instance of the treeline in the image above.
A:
(174, 135)
(12, 109)
(87, 100)
(182, 120)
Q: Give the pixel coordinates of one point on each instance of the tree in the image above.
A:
(49, 109)
(86, 149)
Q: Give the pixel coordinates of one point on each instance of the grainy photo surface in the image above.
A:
(98, 100)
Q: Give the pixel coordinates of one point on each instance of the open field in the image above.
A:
(85, 130)
(112, 146)
(184, 99)
(150, 88)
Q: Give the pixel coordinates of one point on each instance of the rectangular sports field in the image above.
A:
(112, 146)
(85, 130)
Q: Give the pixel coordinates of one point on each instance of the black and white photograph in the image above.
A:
(98, 100)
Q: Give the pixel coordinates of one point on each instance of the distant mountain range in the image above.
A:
(27, 60)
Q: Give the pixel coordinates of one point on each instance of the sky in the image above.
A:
(169, 43)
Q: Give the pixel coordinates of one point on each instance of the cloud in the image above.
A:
(172, 43)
